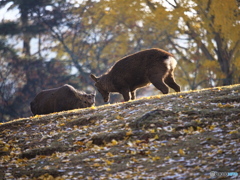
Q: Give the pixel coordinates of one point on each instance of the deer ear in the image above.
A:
(94, 77)
(93, 95)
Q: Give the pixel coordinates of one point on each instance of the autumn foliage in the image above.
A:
(50, 43)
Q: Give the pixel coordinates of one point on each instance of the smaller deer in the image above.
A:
(154, 66)
(62, 98)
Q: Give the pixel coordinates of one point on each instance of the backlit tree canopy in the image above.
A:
(54, 42)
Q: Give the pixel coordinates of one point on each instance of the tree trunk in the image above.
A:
(26, 36)
(224, 61)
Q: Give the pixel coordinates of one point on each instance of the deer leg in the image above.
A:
(125, 93)
(169, 80)
(133, 95)
(157, 81)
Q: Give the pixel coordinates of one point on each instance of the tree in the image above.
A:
(9, 73)
(23, 74)
(203, 35)
(212, 31)
(27, 10)
(90, 36)
(15, 93)
(88, 40)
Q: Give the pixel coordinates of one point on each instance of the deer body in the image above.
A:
(154, 66)
(61, 99)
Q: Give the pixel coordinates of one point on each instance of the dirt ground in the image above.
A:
(187, 135)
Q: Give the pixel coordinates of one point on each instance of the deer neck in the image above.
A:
(107, 83)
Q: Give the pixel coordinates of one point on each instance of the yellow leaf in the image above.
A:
(5, 149)
(200, 129)
(133, 152)
(46, 177)
(181, 152)
(155, 158)
(96, 165)
(92, 107)
(114, 142)
(59, 178)
(129, 133)
(233, 132)
(212, 146)
(78, 143)
(147, 152)
(190, 130)
(119, 117)
(151, 130)
(85, 127)
(138, 141)
(126, 138)
(62, 124)
(108, 169)
(97, 148)
(41, 156)
(88, 144)
(156, 137)
(28, 125)
(167, 158)
(46, 167)
(21, 160)
(198, 120)
(134, 160)
(109, 154)
(225, 105)
(212, 127)
(109, 162)
(37, 116)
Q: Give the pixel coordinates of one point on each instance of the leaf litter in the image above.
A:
(176, 136)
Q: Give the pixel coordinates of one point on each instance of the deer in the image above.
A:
(59, 99)
(138, 70)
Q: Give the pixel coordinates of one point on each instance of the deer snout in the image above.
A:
(106, 99)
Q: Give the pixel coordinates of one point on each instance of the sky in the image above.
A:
(6, 14)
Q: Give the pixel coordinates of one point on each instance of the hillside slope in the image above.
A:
(175, 136)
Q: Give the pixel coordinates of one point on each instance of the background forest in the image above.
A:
(48, 43)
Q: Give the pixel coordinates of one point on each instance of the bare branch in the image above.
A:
(174, 6)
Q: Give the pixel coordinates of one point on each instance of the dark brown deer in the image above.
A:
(62, 98)
(154, 66)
